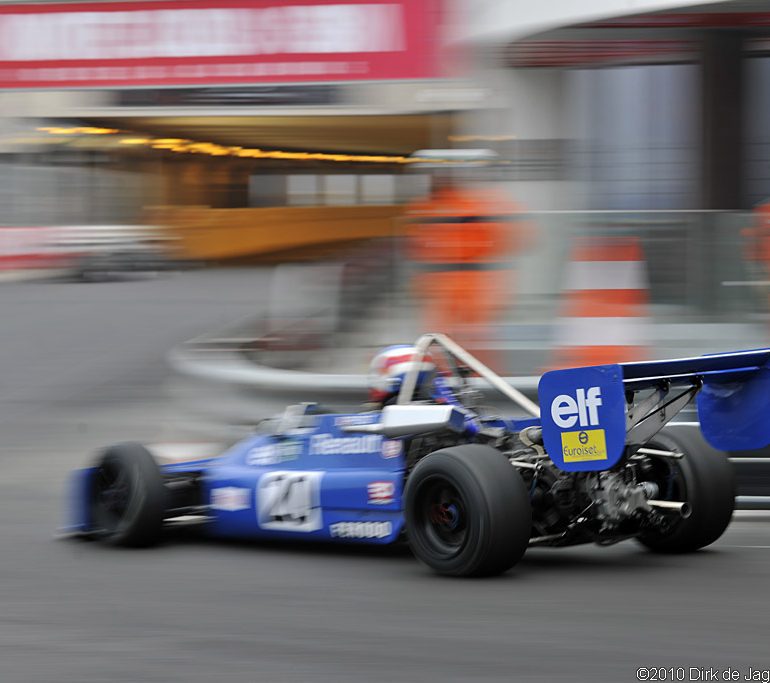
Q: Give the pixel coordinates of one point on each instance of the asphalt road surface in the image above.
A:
(82, 365)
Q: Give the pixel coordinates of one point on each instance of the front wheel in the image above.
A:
(703, 478)
(467, 512)
(127, 497)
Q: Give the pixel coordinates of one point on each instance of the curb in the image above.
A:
(30, 274)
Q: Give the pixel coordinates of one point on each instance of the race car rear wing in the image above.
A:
(733, 392)
(591, 416)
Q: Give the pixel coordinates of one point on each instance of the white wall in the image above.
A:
(637, 135)
(545, 104)
(532, 106)
(490, 21)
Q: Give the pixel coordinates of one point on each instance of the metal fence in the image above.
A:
(68, 195)
(695, 262)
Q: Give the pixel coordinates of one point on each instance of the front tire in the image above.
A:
(128, 498)
(704, 478)
(467, 512)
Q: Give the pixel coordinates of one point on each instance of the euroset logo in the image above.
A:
(582, 410)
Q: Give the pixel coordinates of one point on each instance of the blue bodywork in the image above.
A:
(583, 417)
(317, 482)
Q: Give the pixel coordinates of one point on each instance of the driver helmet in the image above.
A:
(389, 368)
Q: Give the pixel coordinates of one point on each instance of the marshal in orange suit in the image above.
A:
(462, 240)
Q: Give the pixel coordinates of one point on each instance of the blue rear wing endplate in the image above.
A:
(584, 410)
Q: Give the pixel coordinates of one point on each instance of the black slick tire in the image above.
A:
(467, 512)
(704, 478)
(127, 500)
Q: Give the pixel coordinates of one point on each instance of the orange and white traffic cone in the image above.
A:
(604, 304)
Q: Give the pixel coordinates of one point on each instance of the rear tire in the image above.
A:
(704, 478)
(467, 512)
(128, 498)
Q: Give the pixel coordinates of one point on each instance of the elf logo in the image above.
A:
(566, 411)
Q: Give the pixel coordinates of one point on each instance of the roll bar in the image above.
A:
(406, 394)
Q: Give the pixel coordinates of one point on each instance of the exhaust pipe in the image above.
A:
(682, 508)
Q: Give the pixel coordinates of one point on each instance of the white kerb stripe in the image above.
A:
(605, 275)
(601, 332)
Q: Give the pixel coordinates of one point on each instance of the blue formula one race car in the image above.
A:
(468, 489)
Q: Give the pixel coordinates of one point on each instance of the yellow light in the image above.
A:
(181, 145)
(58, 130)
(77, 130)
(90, 130)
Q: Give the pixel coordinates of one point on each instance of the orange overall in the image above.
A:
(756, 248)
(462, 240)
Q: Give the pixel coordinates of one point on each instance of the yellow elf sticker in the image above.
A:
(584, 445)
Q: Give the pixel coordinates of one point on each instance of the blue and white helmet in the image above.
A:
(389, 367)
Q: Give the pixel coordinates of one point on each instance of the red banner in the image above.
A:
(175, 42)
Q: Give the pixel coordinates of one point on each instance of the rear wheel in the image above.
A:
(128, 498)
(703, 478)
(467, 512)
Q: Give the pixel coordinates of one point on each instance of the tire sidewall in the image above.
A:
(142, 521)
(450, 470)
(710, 492)
(499, 515)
